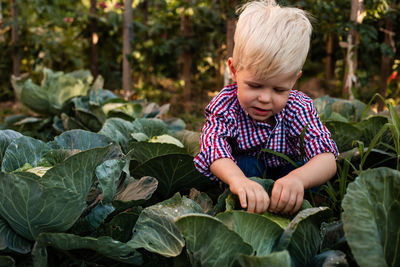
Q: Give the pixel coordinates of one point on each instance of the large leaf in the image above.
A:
(56, 156)
(39, 128)
(344, 134)
(103, 245)
(76, 173)
(175, 125)
(155, 229)
(153, 110)
(84, 140)
(142, 188)
(7, 261)
(108, 174)
(371, 217)
(54, 202)
(282, 221)
(98, 96)
(56, 89)
(67, 123)
(120, 226)
(11, 240)
(302, 236)
(93, 220)
(122, 109)
(204, 201)
(118, 130)
(34, 96)
(31, 208)
(268, 184)
(279, 258)
(61, 87)
(21, 151)
(191, 141)
(89, 119)
(210, 242)
(80, 139)
(166, 139)
(150, 127)
(371, 128)
(256, 230)
(349, 109)
(323, 105)
(136, 193)
(6, 137)
(332, 236)
(330, 258)
(144, 151)
(83, 104)
(174, 172)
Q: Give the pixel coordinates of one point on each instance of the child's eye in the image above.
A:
(254, 85)
(279, 90)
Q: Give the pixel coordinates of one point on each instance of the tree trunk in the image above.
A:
(2, 39)
(230, 32)
(94, 50)
(127, 50)
(328, 59)
(220, 64)
(386, 60)
(15, 38)
(146, 76)
(353, 40)
(186, 58)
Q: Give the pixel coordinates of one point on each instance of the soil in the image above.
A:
(8, 108)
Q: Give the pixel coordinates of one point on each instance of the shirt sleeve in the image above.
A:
(214, 145)
(317, 138)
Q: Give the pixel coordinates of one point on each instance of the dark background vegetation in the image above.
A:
(179, 47)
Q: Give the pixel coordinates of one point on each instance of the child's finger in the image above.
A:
(299, 202)
(251, 201)
(268, 201)
(291, 204)
(265, 202)
(261, 200)
(275, 196)
(242, 199)
(283, 200)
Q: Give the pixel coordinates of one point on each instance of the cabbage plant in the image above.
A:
(55, 89)
(80, 183)
(44, 198)
(371, 217)
(45, 190)
(229, 238)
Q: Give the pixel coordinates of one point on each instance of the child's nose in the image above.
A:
(265, 96)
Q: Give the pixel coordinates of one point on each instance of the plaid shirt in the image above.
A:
(229, 131)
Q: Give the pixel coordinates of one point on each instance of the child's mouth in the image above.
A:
(261, 112)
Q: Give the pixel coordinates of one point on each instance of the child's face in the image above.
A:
(262, 99)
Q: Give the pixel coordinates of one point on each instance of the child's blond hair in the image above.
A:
(270, 39)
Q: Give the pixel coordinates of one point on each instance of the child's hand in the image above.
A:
(251, 195)
(287, 195)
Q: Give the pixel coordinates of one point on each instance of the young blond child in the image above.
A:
(262, 111)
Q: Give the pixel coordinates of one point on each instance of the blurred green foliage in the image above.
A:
(56, 34)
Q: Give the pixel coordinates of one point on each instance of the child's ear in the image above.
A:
(232, 70)
(297, 78)
(299, 75)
